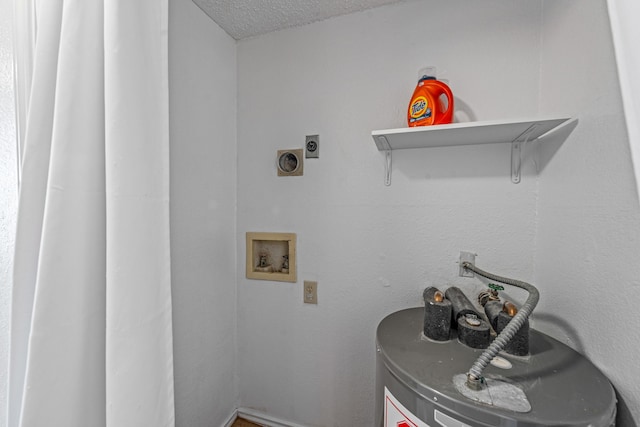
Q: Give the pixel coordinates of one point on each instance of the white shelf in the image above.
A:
(514, 132)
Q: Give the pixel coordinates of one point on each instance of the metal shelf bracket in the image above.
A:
(516, 153)
(387, 159)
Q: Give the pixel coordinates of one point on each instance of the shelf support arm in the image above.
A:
(387, 167)
(516, 153)
(388, 160)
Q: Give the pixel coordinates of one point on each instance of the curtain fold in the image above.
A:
(138, 269)
(623, 15)
(91, 341)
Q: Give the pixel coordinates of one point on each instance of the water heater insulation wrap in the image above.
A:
(437, 315)
(472, 335)
(460, 303)
(519, 344)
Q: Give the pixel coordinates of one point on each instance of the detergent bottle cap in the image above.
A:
(427, 73)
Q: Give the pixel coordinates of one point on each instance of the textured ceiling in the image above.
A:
(247, 18)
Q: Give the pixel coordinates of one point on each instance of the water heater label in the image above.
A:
(396, 415)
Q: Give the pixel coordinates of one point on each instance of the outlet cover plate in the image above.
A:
(310, 292)
(466, 257)
(312, 146)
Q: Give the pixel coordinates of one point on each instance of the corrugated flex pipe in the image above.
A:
(474, 376)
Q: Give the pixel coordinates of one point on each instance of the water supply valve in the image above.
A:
(490, 294)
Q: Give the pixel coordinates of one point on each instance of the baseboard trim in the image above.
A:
(263, 419)
(231, 419)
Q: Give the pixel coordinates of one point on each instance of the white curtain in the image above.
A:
(91, 340)
(624, 16)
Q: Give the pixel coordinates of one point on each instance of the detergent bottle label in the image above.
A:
(419, 109)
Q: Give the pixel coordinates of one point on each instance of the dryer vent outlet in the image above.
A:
(289, 162)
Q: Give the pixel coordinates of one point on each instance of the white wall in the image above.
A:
(202, 84)
(8, 190)
(373, 249)
(589, 225)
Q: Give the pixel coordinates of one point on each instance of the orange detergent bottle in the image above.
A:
(432, 101)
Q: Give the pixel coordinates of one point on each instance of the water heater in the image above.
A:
(417, 382)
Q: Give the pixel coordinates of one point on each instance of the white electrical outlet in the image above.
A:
(310, 290)
(312, 145)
